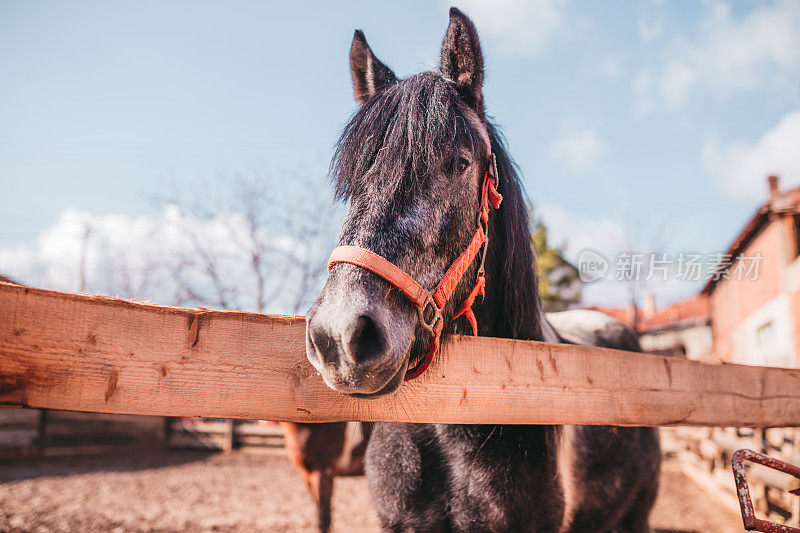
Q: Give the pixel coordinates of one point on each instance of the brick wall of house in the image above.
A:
(739, 307)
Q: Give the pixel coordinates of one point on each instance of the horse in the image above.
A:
(322, 452)
(415, 162)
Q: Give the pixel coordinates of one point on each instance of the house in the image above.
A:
(756, 317)
(680, 329)
(748, 311)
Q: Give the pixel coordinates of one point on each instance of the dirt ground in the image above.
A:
(197, 491)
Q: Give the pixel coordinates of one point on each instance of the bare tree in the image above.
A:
(646, 242)
(280, 231)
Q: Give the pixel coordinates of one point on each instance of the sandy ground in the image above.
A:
(196, 491)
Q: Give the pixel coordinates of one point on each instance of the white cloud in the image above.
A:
(609, 67)
(760, 50)
(740, 170)
(578, 149)
(579, 232)
(517, 26)
(163, 258)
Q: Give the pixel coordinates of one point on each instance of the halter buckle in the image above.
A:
(436, 316)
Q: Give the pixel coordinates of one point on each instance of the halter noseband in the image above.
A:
(430, 303)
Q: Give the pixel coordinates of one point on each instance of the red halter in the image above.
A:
(430, 304)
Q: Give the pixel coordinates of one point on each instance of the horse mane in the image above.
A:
(515, 307)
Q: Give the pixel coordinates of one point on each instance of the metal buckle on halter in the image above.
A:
(429, 326)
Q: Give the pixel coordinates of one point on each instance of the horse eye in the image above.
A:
(462, 164)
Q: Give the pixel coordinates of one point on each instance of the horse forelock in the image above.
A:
(400, 135)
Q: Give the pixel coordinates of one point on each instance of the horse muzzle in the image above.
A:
(356, 340)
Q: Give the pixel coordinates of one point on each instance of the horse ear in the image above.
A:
(369, 74)
(462, 60)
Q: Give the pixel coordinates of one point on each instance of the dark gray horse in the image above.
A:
(411, 162)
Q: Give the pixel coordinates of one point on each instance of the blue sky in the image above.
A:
(651, 124)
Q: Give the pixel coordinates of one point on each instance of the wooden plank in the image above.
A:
(200, 426)
(94, 353)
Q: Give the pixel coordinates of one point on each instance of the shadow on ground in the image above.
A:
(32, 468)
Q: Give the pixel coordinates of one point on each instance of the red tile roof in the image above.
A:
(692, 311)
(779, 202)
(689, 312)
(623, 315)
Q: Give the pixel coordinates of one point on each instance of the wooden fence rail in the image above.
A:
(94, 353)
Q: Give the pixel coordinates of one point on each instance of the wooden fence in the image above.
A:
(93, 353)
(50, 433)
(45, 433)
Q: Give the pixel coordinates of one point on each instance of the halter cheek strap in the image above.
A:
(430, 303)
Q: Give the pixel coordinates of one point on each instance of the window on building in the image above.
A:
(765, 333)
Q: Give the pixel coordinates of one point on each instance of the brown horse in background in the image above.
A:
(322, 452)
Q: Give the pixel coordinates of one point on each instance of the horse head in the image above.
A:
(415, 164)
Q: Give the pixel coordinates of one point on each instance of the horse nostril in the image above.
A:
(366, 342)
(323, 343)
